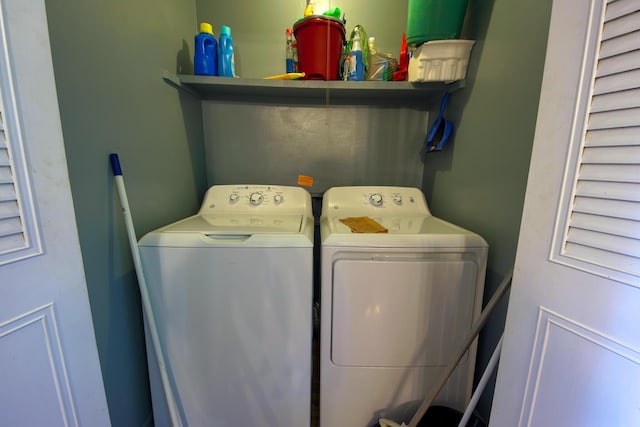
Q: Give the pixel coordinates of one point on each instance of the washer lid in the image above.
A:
(208, 230)
(237, 224)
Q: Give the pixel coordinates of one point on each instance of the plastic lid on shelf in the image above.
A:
(205, 27)
(225, 30)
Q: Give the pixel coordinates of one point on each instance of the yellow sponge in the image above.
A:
(363, 224)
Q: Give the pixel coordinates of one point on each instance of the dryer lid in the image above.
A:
(403, 231)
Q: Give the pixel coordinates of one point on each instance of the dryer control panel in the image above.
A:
(267, 199)
(375, 200)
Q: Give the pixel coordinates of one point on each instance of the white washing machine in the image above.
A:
(395, 306)
(231, 289)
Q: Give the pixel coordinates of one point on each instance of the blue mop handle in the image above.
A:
(115, 164)
(144, 293)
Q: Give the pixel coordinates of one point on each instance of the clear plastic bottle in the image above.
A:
(381, 65)
(376, 70)
(296, 67)
(290, 59)
(356, 64)
(205, 59)
(226, 65)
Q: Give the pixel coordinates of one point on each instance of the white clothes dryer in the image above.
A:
(231, 289)
(395, 306)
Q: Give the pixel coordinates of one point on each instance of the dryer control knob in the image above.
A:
(375, 199)
(255, 199)
(397, 199)
(234, 197)
(278, 199)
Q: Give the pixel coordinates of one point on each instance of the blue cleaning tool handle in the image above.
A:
(115, 164)
(174, 415)
(443, 105)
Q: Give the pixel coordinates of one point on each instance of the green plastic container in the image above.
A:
(435, 20)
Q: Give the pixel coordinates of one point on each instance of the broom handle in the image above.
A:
(493, 363)
(144, 293)
(475, 330)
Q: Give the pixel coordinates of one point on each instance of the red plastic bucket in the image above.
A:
(320, 44)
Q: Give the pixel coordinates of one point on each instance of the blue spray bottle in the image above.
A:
(356, 62)
(205, 59)
(226, 66)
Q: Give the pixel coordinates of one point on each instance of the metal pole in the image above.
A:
(475, 330)
(493, 362)
(144, 293)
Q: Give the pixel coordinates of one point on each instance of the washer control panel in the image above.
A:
(249, 198)
(369, 200)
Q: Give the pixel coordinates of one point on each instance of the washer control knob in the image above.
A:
(375, 199)
(234, 197)
(397, 199)
(255, 199)
(278, 199)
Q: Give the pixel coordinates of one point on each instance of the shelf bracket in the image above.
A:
(174, 81)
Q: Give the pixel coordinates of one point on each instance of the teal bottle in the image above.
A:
(226, 66)
(205, 59)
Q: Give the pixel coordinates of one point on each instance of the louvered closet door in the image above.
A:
(571, 354)
(49, 368)
(603, 227)
(19, 236)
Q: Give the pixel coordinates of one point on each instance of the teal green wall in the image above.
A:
(480, 180)
(108, 58)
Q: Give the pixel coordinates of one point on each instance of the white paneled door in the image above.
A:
(571, 354)
(49, 369)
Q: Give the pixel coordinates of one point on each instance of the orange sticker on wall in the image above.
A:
(304, 180)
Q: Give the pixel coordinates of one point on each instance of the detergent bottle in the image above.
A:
(226, 66)
(205, 59)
